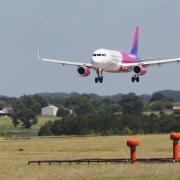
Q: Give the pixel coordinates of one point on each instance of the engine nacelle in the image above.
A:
(139, 70)
(83, 71)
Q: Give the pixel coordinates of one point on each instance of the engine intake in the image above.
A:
(83, 71)
(140, 70)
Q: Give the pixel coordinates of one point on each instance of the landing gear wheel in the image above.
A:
(133, 79)
(96, 80)
(137, 79)
(100, 79)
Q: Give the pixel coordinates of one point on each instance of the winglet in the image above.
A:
(38, 54)
(134, 49)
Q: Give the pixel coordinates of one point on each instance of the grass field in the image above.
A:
(14, 163)
(7, 129)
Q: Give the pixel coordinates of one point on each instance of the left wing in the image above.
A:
(64, 62)
(152, 62)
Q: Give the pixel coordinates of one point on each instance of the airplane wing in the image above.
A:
(152, 62)
(64, 62)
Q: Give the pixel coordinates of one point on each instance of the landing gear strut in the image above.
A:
(99, 76)
(135, 78)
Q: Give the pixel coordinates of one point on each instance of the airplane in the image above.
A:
(105, 60)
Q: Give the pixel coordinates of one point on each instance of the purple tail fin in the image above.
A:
(134, 49)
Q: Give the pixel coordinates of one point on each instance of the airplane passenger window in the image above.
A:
(98, 54)
(94, 54)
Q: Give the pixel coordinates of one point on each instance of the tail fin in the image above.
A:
(134, 49)
(38, 54)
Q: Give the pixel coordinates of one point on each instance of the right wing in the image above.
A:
(63, 62)
(153, 62)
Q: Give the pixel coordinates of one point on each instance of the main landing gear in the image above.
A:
(135, 78)
(99, 77)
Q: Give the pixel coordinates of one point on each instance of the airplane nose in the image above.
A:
(94, 60)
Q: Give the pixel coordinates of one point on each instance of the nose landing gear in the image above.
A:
(99, 77)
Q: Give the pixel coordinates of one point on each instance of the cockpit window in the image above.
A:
(99, 54)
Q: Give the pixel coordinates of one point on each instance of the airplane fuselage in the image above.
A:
(112, 61)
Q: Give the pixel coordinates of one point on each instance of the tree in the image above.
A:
(2, 104)
(94, 123)
(127, 131)
(45, 130)
(157, 106)
(24, 111)
(160, 105)
(31, 103)
(131, 104)
(15, 119)
(28, 117)
(40, 100)
(79, 104)
(62, 112)
(158, 96)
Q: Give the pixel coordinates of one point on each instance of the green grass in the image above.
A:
(168, 112)
(7, 129)
(14, 163)
(44, 119)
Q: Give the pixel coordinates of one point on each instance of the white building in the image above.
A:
(176, 106)
(6, 111)
(49, 110)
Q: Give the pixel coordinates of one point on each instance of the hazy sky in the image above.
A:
(72, 30)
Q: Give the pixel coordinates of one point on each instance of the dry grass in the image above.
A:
(14, 163)
(5, 121)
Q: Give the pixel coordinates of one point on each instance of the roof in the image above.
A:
(176, 104)
(50, 106)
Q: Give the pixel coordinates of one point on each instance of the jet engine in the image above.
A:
(83, 71)
(139, 70)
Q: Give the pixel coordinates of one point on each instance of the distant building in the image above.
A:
(49, 110)
(176, 106)
(6, 111)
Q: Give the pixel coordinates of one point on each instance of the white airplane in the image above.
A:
(105, 60)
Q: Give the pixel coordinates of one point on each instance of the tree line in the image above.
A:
(111, 124)
(95, 114)
(125, 117)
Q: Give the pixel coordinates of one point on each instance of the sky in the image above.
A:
(72, 30)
